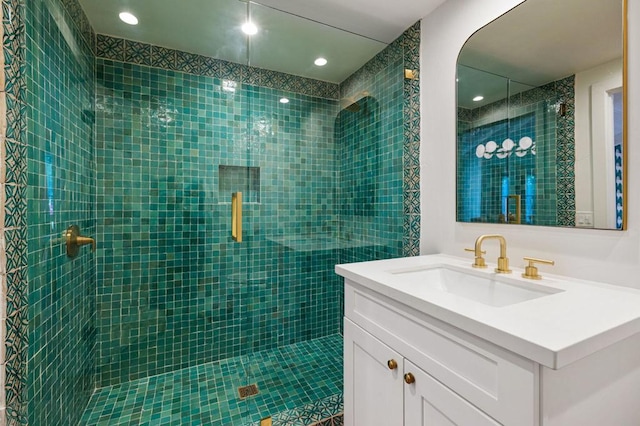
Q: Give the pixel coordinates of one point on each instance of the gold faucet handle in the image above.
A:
(474, 250)
(531, 271)
(479, 260)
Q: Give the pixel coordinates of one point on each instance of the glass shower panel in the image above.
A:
(256, 318)
(287, 292)
(484, 146)
(532, 194)
(289, 300)
(507, 148)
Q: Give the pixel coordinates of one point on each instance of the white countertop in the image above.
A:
(553, 330)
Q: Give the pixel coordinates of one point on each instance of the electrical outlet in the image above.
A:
(584, 219)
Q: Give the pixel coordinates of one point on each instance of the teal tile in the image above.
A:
(301, 382)
(171, 290)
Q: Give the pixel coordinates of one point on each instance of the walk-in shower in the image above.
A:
(145, 143)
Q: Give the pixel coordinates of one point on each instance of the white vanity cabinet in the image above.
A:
(373, 391)
(428, 402)
(459, 380)
(482, 354)
(377, 394)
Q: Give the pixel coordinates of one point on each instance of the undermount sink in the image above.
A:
(488, 289)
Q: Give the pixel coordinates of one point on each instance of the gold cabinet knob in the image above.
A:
(409, 378)
(392, 364)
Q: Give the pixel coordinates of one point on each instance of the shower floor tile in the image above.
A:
(297, 384)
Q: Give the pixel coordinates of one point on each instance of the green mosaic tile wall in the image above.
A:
(552, 166)
(59, 352)
(162, 139)
(60, 192)
(174, 290)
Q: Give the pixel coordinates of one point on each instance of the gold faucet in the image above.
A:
(503, 261)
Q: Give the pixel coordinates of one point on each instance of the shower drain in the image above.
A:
(247, 391)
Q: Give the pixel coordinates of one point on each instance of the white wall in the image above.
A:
(611, 256)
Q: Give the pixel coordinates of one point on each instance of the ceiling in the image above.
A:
(538, 42)
(286, 42)
(382, 20)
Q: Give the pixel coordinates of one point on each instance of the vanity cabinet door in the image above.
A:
(429, 403)
(373, 388)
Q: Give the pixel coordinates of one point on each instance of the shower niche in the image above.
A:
(239, 179)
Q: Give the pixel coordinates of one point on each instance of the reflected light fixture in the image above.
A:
(478, 98)
(320, 62)
(284, 100)
(128, 18)
(229, 86)
(249, 28)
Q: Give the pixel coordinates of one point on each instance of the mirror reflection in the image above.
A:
(540, 117)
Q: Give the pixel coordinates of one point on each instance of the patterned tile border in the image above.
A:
(325, 412)
(122, 50)
(411, 153)
(3, 253)
(13, 193)
(566, 154)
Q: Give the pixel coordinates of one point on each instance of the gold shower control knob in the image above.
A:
(74, 240)
(409, 378)
(392, 364)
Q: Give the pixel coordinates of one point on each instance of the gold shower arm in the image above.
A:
(236, 216)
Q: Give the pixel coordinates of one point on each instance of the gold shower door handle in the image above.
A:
(518, 202)
(236, 216)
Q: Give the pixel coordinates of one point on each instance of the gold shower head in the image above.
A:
(352, 103)
(350, 106)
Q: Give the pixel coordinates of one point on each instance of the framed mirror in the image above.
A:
(541, 120)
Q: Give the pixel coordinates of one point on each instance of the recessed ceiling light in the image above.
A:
(249, 28)
(320, 62)
(284, 100)
(128, 18)
(478, 98)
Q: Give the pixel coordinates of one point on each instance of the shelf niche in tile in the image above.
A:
(239, 179)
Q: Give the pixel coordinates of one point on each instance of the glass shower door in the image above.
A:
(289, 300)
